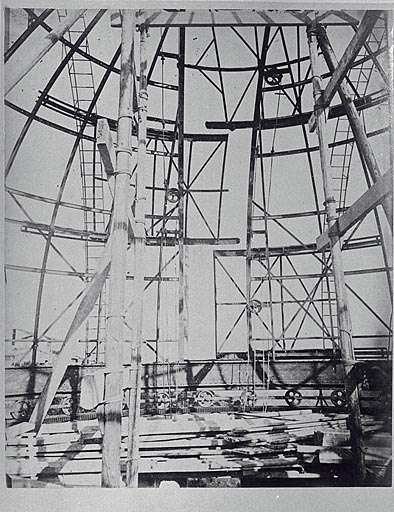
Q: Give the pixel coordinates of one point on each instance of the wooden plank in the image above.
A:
(346, 61)
(374, 196)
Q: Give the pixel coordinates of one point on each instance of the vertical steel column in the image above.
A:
(112, 407)
(252, 172)
(139, 258)
(182, 269)
(344, 322)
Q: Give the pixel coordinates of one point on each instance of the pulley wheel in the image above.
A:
(338, 398)
(65, 405)
(21, 410)
(205, 398)
(293, 397)
(172, 195)
(255, 306)
(163, 401)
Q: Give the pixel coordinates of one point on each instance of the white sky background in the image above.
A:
(45, 151)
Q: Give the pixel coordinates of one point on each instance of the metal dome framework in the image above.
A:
(277, 290)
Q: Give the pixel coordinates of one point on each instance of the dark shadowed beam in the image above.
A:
(368, 101)
(22, 38)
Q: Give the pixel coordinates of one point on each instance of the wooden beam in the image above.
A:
(390, 59)
(107, 152)
(237, 17)
(15, 70)
(111, 409)
(359, 38)
(132, 464)
(182, 287)
(344, 320)
(363, 145)
(367, 202)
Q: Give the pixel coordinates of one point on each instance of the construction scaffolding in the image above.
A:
(214, 170)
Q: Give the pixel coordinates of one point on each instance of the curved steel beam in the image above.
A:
(47, 88)
(371, 100)
(30, 29)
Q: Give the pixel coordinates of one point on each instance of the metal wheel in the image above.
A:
(338, 397)
(273, 76)
(293, 397)
(65, 405)
(205, 398)
(21, 410)
(163, 401)
(172, 195)
(255, 306)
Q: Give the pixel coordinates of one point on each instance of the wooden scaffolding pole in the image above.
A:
(139, 257)
(390, 64)
(112, 407)
(344, 322)
(182, 289)
(362, 142)
(261, 61)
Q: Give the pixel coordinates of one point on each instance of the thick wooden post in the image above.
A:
(182, 270)
(112, 407)
(344, 322)
(355, 122)
(139, 257)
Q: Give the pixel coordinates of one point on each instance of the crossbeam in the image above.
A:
(96, 236)
(367, 202)
(234, 17)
